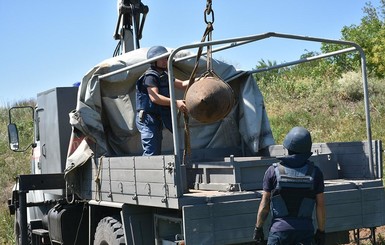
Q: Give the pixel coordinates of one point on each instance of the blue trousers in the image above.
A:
(292, 237)
(150, 128)
(166, 118)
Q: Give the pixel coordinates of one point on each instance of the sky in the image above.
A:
(50, 43)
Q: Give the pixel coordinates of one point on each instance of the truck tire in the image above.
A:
(109, 232)
(16, 230)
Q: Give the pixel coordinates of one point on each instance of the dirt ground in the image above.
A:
(365, 233)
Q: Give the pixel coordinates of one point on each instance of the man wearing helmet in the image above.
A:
(291, 189)
(153, 102)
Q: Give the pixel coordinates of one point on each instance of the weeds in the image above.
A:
(11, 165)
(333, 110)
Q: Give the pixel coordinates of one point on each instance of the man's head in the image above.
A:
(157, 51)
(298, 141)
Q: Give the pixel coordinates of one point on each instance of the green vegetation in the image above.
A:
(326, 96)
(332, 109)
(11, 165)
(370, 36)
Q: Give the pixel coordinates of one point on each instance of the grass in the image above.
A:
(331, 111)
(11, 165)
(6, 227)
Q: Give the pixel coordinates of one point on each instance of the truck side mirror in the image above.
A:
(13, 137)
(24, 117)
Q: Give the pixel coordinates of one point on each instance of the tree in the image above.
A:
(369, 34)
(266, 77)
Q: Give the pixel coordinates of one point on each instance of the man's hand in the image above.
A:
(180, 104)
(319, 237)
(258, 235)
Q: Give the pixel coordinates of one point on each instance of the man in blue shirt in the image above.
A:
(153, 102)
(291, 189)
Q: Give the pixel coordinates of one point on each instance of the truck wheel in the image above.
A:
(16, 230)
(109, 232)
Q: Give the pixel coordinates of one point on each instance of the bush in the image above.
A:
(350, 87)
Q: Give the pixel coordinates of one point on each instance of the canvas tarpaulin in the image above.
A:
(105, 110)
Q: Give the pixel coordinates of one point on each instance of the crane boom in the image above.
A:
(129, 27)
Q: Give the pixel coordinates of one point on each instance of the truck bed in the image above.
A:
(207, 193)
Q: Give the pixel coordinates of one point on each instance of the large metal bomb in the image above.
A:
(209, 99)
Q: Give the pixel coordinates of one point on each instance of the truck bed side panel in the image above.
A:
(132, 180)
(220, 223)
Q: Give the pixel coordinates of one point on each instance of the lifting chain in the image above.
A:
(209, 11)
(209, 20)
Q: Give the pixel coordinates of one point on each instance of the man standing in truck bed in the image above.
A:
(292, 187)
(153, 102)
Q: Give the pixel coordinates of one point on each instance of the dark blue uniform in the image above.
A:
(293, 189)
(151, 117)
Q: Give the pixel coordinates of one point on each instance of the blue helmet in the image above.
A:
(156, 51)
(298, 140)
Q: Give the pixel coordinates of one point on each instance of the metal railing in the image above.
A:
(235, 42)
